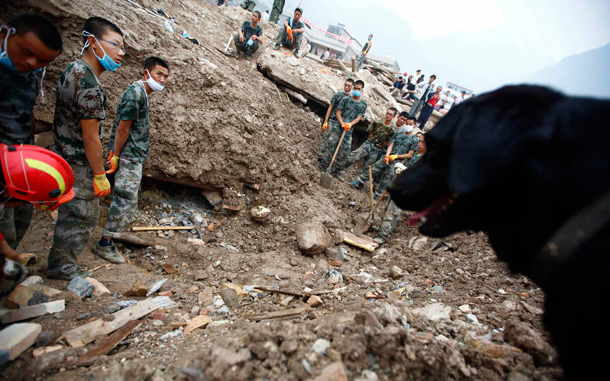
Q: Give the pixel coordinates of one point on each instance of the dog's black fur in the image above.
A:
(523, 160)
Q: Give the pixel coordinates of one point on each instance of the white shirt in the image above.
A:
(442, 101)
(421, 88)
(458, 99)
(326, 55)
(266, 16)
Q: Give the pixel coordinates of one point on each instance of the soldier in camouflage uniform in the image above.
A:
(276, 10)
(291, 34)
(364, 52)
(79, 109)
(18, 92)
(248, 36)
(371, 150)
(129, 142)
(393, 212)
(349, 112)
(331, 114)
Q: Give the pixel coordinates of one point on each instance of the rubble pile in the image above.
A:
(261, 284)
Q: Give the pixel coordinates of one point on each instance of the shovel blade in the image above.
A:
(361, 227)
(325, 180)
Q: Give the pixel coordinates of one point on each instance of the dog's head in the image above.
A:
(507, 162)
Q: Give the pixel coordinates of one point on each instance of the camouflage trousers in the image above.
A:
(390, 219)
(125, 197)
(359, 61)
(284, 39)
(382, 173)
(331, 146)
(276, 10)
(14, 223)
(369, 152)
(243, 46)
(76, 220)
(325, 137)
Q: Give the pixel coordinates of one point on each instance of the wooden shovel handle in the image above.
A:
(383, 195)
(371, 185)
(336, 151)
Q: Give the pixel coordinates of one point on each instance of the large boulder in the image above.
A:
(312, 238)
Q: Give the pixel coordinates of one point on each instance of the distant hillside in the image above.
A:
(585, 74)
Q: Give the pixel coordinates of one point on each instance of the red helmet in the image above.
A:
(36, 175)
(405, 74)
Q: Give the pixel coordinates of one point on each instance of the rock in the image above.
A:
(434, 311)
(166, 293)
(531, 309)
(333, 355)
(522, 336)
(396, 272)
(195, 310)
(465, 308)
(459, 271)
(320, 345)
(322, 265)
(31, 281)
(388, 314)
(367, 375)
(334, 263)
(224, 310)
(138, 289)
(437, 289)
(157, 323)
(312, 238)
(192, 290)
(260, 214)
(230, 298)
(314, 301)
(510, 306)
(337, 278)
(333, 372)
(420, 243)
(82, 287)
(485, 346)
(309, 276)
(46, 338)
(99, 289)
(201, 275)
(331, 253)
(472, 318)
(343, 255)
(238, 289)
(424, 337)
(286, 301)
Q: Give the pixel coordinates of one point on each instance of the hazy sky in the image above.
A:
(482, 43)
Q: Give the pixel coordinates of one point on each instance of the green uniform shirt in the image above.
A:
(404, 143)
(338, 97)
(381, 134)
(133, 106)
(249, 30)
(18, 93)
(413, 159)
(80, 95)
(350, 109)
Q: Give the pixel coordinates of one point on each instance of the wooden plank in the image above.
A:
(155, 228)
(108, 343)
(196, 322)
(171, 270)
(88, 332)
(34, 311)
(343, 67)
(354, 64)
(15, 339)
(314, 58)
(214, 198)
(280, 314)
(363, 243)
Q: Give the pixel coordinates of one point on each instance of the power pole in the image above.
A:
(276, 11)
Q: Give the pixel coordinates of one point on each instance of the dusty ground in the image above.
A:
(225, 126)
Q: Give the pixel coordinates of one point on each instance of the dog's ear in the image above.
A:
(488, 133)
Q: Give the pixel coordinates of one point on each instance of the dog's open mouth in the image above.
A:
(432, 213)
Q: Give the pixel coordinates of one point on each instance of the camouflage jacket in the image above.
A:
(18, 93)
(413, 159)
(350, 109)
(381, 134)
(404, 143)
(80, 95)
(133, 106)
(335, 100)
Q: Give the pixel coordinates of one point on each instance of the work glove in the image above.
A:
(289, 30)
(389, 158)
(393, 157)
(363, 54)
(399, 167)
(325, 126)
(113, 162)
(101, 185)
(347, 126)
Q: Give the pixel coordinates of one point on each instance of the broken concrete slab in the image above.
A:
(15, 339)
(99, 289)
(33, 294)
(312, 238)
(34, 311)
(81, 287)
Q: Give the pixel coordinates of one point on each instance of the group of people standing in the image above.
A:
(29, 44)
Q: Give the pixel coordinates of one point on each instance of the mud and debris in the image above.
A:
(413, 309)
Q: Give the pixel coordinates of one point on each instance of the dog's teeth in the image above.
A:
(423, 220)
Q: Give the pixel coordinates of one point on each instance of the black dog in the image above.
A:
(531, 167)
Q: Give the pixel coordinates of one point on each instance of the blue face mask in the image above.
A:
(4, 58)
(370, 38)
(107, 62)
(356, 93)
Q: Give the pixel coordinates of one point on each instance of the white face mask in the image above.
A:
(408, 128)
(154, 85)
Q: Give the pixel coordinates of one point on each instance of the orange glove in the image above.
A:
(363, 54)
(289, 30)
(101, 185)
(387, 159)
(325, 126)
(113, 162)
(347, 126)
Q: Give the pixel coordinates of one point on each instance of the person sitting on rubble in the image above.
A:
(292, 32)
(393, 212)
(129, 142)
(371, 150)
(331, 114)
(249, 37)
(409, 92)
(350, 111)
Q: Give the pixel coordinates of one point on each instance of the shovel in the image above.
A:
(363, 225)
(326, 178)
(371, 186)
